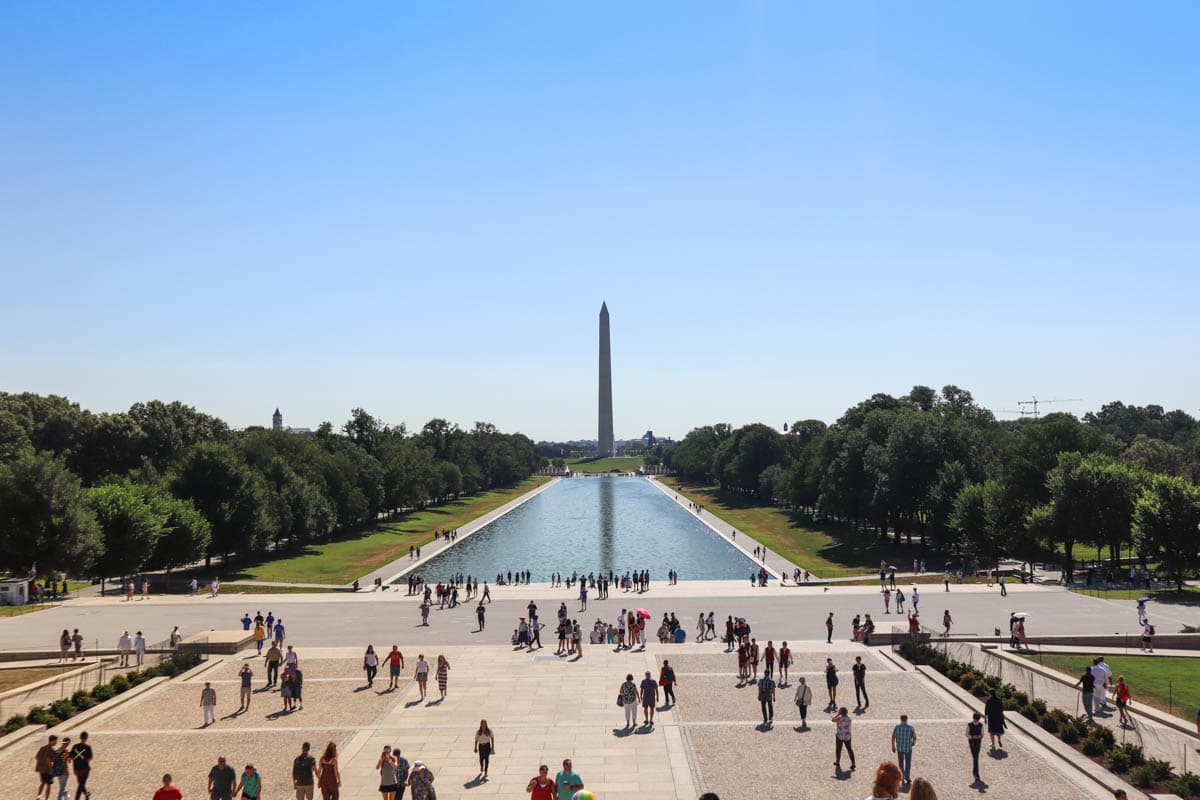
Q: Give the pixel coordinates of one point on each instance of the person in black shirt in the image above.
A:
(81, 765)
(221, 780)
(1087, 683)
(302, 773)
(975, 741)
(860, 682)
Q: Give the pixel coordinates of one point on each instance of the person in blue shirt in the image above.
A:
(246, 621)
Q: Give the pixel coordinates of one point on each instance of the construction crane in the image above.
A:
(1035, 403)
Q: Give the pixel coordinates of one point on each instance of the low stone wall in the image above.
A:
(1133, 642)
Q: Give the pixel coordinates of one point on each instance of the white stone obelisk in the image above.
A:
(604, 444)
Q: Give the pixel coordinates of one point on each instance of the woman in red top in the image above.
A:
(167, 791)
(541, 786)
(1123, 698)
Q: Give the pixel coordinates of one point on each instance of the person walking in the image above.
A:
(766, 699)
(420, 782)
(304, 770)
(860, 683)
(272, 660)
(250, 785)
(480, 613)
(125, 647)
(829, 628)
(540, 786)
(244, 675)
(1087, 687)
(43, 765)
(803, 700)
(371, 664)
(993, 709)
(60, 770)
(81, 756)
(904, 736)
(260, 636)
(485, 744)
(139, 648)
(208, 706)
(386, 767)
(568, 781)
(842, 738)
(422, 673)
(443, 675)
(831, 682)
(395, 661)
(221, 780)
(785, 660)
(1147, 637)
(168, 790)
(947, 621)
(627, 699)
(329, 778)
(666, 679)
(649, 695)
(975, 742)
(1123, 700)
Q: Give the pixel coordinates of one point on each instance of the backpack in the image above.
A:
(1151, 627)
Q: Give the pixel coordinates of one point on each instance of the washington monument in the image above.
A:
(604, 444)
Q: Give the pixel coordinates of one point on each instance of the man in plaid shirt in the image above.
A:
(903, 739)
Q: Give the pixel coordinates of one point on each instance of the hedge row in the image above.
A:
(66, 708)
(1088, 737)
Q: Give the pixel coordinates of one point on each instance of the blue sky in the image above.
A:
(418, 209)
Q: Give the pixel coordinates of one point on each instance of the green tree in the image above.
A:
(229, 495)
(13, 438)
(131, 527)
(45, 517)
(186, 533)
(1167, 517)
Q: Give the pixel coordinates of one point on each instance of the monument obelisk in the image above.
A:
(604, 443)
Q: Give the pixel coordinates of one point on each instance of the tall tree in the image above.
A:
(1168, 524)
(45, 518)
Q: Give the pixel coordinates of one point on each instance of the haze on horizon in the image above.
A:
(418, 210)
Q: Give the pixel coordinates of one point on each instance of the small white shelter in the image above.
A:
(14, 591)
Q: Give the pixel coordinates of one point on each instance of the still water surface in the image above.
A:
(595, 525)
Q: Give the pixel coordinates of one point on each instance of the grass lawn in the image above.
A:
(829, 550)
(28, 608)
(22, 676)
(1163, 682)
(1189, 594)
(620, 463)
(245, 588)
(342, 561)
(928, 578)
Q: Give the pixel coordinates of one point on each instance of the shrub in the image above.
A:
(1105, 735)
(1185, 785)
(1136, 756)
(168, 669)
(1093, 746)
(62, 708)
(1118, 759)
(1162, 769)
(83, 703)
(993, 682)
(967, 679)
(104, 692)
(1050, 723)
(119, 684)
(1143, 777)
(149, 672)
(1068, 732)
(1022, 699)
(1039, 704)
(1011, 704)
(953, 672)
(15, 723)
(1030, 713)
(37, 715)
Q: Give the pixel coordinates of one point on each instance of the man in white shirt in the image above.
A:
(139, 647)
(125, 647)
(1103, 675)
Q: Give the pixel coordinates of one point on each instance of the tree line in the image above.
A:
(163, 484)
(940, 467)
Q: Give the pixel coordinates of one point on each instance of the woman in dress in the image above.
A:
(422, 673)
(386, 766)
(64, 644)
(485, 743)
(287, 688)
(371, 664)
(629, 700)
(831, 682)
(421, 781)
(993, 709)
(329, 780)
(443, 674)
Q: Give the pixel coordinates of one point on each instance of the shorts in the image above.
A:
(394, 672)
(304, 791)
(391, 787)
(47, 779)
(1120, 703)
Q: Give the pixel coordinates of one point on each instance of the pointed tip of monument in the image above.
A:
(603, 307)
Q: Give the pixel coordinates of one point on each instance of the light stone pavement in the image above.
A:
(774, 612)
(543, 708)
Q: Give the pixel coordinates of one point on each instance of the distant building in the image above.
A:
(277, 425)
(648, 439)
(277, 421)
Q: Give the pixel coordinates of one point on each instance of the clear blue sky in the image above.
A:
(419, 208)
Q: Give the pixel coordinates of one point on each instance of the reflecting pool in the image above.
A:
(584, 525)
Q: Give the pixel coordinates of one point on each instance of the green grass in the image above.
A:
(1163, 682)
(28, 608)
(830, 550)
(23, 676)
(1189, 594)
(620, 463)
(341, 561)
(243, 588)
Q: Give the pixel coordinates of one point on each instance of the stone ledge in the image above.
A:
(95, 711)
(18, 736)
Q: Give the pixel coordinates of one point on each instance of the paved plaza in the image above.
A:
(544, 708)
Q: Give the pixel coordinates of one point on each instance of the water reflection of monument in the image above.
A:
(607, 525)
